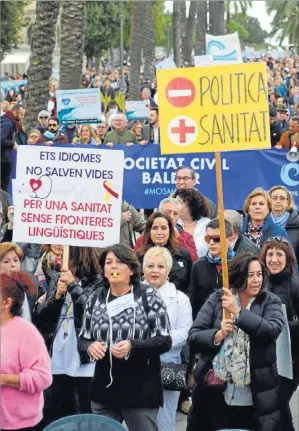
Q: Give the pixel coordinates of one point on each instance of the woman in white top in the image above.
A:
(157, 264)
(193, 216)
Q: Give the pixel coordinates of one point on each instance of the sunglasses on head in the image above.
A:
(278, 239)
(215, 238)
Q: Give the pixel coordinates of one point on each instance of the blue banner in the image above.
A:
(150, 177)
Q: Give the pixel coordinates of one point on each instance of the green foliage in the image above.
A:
(285, 22)
(12, 20)
(119, 98)
(102, 21)
(236, 26)
(256, 35)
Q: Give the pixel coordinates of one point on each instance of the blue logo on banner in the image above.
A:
(66, 101)
(285, 174)
(232, 56)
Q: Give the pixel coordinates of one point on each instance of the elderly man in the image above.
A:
(120, 134)
(186, 179)
(240, 243)
(286, 138)
(43, 120)
(171, 207)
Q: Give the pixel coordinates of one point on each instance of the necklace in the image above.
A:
(188, 225)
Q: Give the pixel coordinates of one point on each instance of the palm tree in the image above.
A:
(42, 45)
(285, 22)
(217, 11)
(201, 28)
(176, 32)
(187, 41)
(236, 6)
(135, 49)
(149, 40)
(71, 44)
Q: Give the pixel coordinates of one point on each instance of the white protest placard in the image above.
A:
(203, 60)
(168, 63)
(68, 196)
(137, 109)
(79, 106)
(225, 49)
(283, 350)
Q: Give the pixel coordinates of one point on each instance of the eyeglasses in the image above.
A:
(278, 239)
(43, 118)
(278, 198)
(215, 238)
(183, 178)
(102, 127)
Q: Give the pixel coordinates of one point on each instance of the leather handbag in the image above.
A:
(211, 381)
(174, 376)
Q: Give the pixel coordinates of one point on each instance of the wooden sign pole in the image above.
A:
(225, 281)
(65, 257)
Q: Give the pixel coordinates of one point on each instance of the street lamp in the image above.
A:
(168, 33)
(123, 85)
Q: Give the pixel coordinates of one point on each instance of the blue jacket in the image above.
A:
(270, 229)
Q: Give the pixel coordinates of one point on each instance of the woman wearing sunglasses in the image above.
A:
(206, 276)
(280, 260)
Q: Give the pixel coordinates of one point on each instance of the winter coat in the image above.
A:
(136, 379)
(263, 323)
(292, 228)
(7, 136)
(180, 273)
(244, 245)
(270, 229)
(185, 239)
(127, 228)
(47, 314)
(205, 279)
(286, 287)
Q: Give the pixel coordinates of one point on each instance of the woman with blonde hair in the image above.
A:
(258, 225)
(137, 130)
(284, 214)
(157, 263)
(87, 136)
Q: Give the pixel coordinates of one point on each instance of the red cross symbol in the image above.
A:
(183, 130)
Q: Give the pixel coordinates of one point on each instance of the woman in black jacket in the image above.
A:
(280, 260)
(59, 318)
(239, 351)
(159, 231)
(125, 330)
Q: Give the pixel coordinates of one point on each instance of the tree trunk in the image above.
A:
(72, 44)
(183, 18)
(201, 28)
(217, 10)
(42, 45)
(176, 28)
(135, 50)
(149, 41)
(188, 39)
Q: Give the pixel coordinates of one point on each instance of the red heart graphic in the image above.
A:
(35, 184)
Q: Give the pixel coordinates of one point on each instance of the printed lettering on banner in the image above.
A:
(79, 106)
(68, 196)
(208, 109)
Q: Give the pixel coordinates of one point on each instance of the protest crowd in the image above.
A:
(145, 328)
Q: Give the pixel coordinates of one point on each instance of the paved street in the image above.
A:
(181, 419)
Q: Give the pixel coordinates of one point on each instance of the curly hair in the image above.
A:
(196, 202)
(238, 270)
(172, 244)
(257, 192)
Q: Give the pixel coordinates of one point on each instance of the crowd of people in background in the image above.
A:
(117, 331)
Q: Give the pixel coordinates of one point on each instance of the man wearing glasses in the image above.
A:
(53, 135)
(43, 120)
(186, 179)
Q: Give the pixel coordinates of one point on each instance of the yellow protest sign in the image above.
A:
(213, 108)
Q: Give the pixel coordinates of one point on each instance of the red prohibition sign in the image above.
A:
(180, 92)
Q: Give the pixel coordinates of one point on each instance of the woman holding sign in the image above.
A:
(236, 375)
(125, 330)
(280, 260)
(59, 319)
